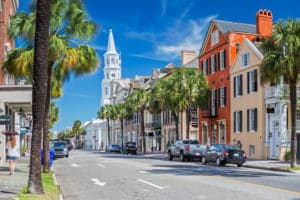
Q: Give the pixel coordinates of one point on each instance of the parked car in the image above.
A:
(221, 154)
(70, 144)
(60, 149)
(130, 147)
(186, 149)
(115, 148)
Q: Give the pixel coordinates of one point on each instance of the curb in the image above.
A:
(269, 168)
(60, 197)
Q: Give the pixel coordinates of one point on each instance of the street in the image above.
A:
(88, 175)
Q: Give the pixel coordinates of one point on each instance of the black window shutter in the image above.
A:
(241, 121)
(241, 84)
(208, 65)
(255, 80)
(234, 86)
(202, 67)
(234, 121)
(225, 96)
(248, 82)
(255, 119)
(224, 56)
(248, 120)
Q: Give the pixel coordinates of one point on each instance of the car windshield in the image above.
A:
(190, 142)
(131, 144)
(231, 147)
(59, 144)
(115, 145)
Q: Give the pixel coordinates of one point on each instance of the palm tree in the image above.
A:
(106, 112)
(282, 59)
(139, 100)
(39, 93)
(76, 129)
(69, 26)
(54, 114)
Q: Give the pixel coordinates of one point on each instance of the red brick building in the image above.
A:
(7, 9)
(217, 55)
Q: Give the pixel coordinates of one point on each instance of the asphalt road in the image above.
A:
(87, 175)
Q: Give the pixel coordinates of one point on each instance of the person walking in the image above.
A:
(12, 153)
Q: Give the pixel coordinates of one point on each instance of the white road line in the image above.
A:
(101, 165)
(153, 185)
(74, 165)
(98, 182)
(144, 172)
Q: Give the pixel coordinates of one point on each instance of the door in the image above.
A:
(274, 139)
(298, 147)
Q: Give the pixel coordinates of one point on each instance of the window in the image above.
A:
(0, 5)
(213, 102)
(213, 63)
(106, 91)
(113, 75)
(222, 63)
(245, 59)
(297, 114)
(238, 120)
(108, 60)
(251, 150)
(238, 85)
(107, 75)
(136, 118)
(252, 119)
(252, 81)
(222, 95)
(204, 67)
(214, 37)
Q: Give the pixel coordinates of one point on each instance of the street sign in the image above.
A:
(4, 116)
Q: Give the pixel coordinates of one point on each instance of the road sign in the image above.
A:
(4, 116)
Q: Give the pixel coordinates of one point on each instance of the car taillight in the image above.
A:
(245, 155)
(187, 148)
(225, 153)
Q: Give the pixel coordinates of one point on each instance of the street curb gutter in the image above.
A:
(60, 197)
(269, 168)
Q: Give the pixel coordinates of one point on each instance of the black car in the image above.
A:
(221, 154)
(130, 147)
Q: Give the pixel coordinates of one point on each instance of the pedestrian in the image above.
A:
(12, 153)
(239, 144)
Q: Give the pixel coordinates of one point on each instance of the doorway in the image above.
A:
(274, 139)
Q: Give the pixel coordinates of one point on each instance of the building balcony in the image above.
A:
(153, 125)
(279, 91)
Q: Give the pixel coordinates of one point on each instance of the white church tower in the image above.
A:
(112, 69)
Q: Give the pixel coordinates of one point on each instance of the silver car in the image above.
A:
(60, 149)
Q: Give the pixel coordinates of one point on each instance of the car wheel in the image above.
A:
(240, 165)
(218, 162)
(170, 157)
(203, 160)
(182, 158)
(67, 156)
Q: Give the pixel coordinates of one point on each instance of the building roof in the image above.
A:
(225, 26)
(192, 64)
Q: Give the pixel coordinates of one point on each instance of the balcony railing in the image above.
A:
(279, 91)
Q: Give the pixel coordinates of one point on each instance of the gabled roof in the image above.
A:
(225, 26)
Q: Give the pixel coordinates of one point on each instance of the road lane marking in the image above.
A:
(153, 185)
(98, 182)
(100, 165)
(256, 185)
(74, 165)
(144, 172)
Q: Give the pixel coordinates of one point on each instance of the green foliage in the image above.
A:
(287, 156)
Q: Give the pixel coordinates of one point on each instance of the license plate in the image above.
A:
(236, 154)
(197, 154)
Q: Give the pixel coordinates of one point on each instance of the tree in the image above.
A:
(39, 93)
(139, 100)
(54, 114)
(69, 27)
(282, 59)
(76, 129)
(106, 112)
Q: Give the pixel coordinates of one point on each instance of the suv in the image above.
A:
(130, 147)
(60, 148)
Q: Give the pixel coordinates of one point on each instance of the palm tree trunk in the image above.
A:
(175, 116)
(143, 131)
(293, 100)
(39, 93)
(188, 120)
(108, 131)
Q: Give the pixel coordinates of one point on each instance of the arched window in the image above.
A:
(106, 91)
(112, 61)
(107, 75)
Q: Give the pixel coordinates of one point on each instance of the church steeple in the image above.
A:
(111, 49)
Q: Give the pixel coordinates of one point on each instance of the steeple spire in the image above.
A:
(111, 49)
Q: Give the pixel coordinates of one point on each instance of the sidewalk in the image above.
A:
(11, 185)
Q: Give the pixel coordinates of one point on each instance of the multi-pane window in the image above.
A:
(238, 85)
(222, 60)
(213, 102)
(245, 59)
(252, 119)
(252, 81)
(222, 96)
(298, 115)
(238, 120)
(213, 64)
(136, 118)
(214, 37)
(204, 67)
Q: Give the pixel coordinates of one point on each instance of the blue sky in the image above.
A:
(150, 34)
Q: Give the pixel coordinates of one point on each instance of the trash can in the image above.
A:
(51, 156)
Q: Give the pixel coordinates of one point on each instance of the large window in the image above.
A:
(222, 95)
(213, 64)
(213, 102)
(214, 37)
(238, 85)
(252, 81)
(204, 67)
(252, 120)
(222, 60)
(238, 120)
(106, 91)
(245, 59)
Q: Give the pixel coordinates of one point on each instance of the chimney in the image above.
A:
(187, 56)
(264, 23)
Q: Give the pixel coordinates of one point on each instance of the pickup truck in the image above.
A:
(186, 149)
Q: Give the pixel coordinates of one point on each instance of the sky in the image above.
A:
(150, 34)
